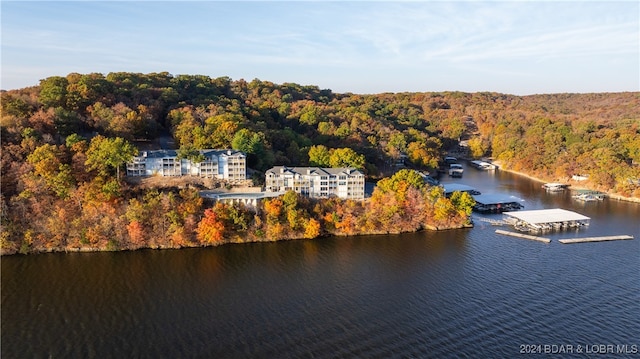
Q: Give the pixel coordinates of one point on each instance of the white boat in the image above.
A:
(589, 196)
(482, 165)
(555, 187)
(455, 170)
(585, 197)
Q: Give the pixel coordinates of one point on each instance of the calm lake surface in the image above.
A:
(460, 293)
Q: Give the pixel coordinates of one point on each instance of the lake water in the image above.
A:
(460, 293)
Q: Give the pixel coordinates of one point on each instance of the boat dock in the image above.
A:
(449, 188)
(589, 196)
(521, 235)
(546, 219)
(594, 239)
(491, 203)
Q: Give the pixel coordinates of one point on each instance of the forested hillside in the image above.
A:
(64, 141)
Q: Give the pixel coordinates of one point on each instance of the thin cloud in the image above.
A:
(441, 44)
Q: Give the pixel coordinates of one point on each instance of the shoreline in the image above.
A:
(573, 186)
(232, 240)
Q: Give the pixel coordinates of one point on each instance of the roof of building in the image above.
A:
(318, 171)
(205, 152)
(239, 195)
(547, 216)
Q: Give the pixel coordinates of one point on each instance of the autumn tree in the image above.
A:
(311, 229)
(478, 147)
(210, 229)
(422, 155)
(47, 165)
(105, 153)
(463, 201)
(319, 156)
(346, 157)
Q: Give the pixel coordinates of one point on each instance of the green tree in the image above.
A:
(410, 177)
(66, 122)
(463, 201)
(346, 157)
(105, 153)
(72, 139)
(248, 141)
(53, 91)
(191, 153)
(311, 115)
(319, 156)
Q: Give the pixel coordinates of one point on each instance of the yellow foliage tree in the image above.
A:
(312, 229)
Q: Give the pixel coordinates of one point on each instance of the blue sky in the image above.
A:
(517, 47)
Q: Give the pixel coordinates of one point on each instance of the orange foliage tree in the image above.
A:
(210, 229)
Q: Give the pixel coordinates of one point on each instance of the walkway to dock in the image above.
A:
(525, 236)
(566, 240)
(594, 239)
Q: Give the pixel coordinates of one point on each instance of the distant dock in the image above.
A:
(525, 236)
(594, 239)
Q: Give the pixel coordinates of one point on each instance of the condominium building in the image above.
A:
(228, 165)
(316, 182)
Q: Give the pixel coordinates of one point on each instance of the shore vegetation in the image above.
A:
(65, 141)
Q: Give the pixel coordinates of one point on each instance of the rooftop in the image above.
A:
(316, 170)
(495, 198)
(547, 216)
(174, 153)
(453, 187)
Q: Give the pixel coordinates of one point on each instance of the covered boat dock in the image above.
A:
(494, 203)
(449, 188)
(545, 219)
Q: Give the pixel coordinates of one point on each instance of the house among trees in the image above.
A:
(230, 165)
(316, 182)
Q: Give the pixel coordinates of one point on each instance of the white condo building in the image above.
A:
(230, 165)
(316, 182)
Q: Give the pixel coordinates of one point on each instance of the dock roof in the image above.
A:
(547, 216)
(495, 198)
(453, 187)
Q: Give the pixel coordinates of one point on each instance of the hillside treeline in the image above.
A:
(555, 135)
(64, 143)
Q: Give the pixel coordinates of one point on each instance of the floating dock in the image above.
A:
(594, 239)
(546, 219)
(525, 236)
